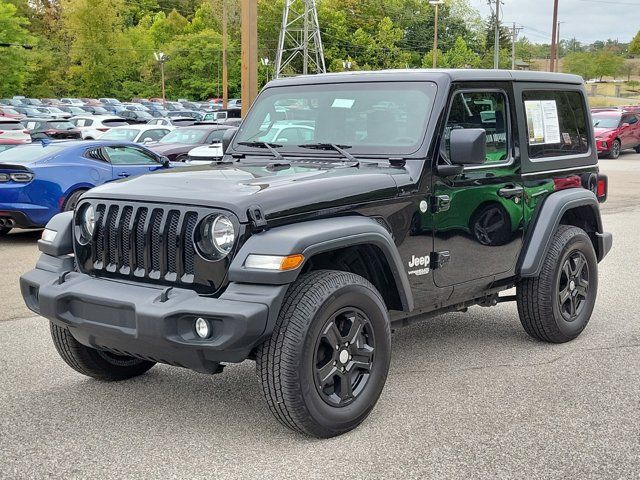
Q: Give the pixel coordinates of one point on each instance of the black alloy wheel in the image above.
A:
(344, 357)
(573, 286)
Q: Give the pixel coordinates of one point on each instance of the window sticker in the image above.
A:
(542, 122)
(343, 103)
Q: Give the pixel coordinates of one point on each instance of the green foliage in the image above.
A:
(634, 46)
(105, 47)
(12, 59)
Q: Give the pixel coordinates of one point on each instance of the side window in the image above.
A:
(630, 119)
(88, 122)
(155, 134)
(129, 156)
(486, 110)
(215, 136)
(556, 123)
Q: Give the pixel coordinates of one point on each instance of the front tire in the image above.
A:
(616, 147)
(556, 306)
(72, 201)
(326, 362)
(95, 363)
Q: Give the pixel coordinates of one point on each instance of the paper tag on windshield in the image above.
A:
(343, 103)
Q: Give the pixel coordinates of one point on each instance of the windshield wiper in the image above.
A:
(270, 146)
(332, 146)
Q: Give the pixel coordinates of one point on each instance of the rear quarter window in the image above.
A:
(557, 123)
(11, 126)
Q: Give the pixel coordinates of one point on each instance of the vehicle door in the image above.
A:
(628, 131)
(634, 130)
(478, 214)
(129, 161)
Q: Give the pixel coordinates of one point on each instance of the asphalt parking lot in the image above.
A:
(468, 396)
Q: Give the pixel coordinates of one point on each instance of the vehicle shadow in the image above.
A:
(231, 404)
(21, 237)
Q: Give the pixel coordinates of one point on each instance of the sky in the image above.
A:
(586, 20)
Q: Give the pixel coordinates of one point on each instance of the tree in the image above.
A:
(12, 59)
(634, 46)
(579, 63)
(95, 30)
(606, 64)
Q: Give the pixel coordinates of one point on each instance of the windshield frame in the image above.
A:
(428, 87)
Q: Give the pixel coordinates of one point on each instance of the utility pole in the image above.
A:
(225, 70)
(514, 37)
(496, 46)
(249, 53)
(435, 3)
(554, 33)
(558, 48)
(300, 37)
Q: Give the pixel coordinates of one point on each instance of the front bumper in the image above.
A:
(150, 322)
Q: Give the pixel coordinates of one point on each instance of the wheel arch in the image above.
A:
(577, 207)
(73, 189)
(354, 243)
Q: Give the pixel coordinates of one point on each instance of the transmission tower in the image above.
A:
(300, 44)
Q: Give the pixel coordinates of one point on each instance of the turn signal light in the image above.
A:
(563, 183)
(274, 262)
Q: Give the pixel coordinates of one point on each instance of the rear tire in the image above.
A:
(95, 363)
(637, 149)
(556, 306)
(71, 202)
(326, 362)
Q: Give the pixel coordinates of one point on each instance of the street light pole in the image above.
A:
(161, 58)
(436, 4)
(265, 61)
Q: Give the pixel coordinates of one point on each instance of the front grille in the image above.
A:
(140, 241)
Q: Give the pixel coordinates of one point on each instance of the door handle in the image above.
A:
(511, 192)
(123, 174)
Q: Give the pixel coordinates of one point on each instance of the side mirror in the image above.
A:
(625, 124)
(227, 138)
(166, 163)
(468, 146)
(147, 140)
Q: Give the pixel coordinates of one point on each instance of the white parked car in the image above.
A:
(137, 133)
(93, 127)
(53, 112)
(12, 132)
(205, 154)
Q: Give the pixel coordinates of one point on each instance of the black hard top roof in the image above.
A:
(435, 75)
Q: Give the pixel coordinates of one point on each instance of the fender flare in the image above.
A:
(317, 236)
(546, 220)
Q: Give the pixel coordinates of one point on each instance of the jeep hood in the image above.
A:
(237, 187)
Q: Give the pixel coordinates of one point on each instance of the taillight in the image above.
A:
(1, 132)
(26, 131)
(603, 188)
(563, 183)
(102, 129)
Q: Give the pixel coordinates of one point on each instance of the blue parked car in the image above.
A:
(38, 181)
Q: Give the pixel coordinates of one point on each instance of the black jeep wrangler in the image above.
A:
(346, 205)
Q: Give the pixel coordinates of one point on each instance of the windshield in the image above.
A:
(606, 122)
(371, 118)
(189, 136)
(120, 134)
(29, 153)
(62, 125)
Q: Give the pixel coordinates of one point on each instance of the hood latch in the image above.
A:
(257, 217)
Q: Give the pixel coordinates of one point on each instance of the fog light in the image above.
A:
(202, 328)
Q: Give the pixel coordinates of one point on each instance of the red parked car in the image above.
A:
(9, 112)
(616, 131)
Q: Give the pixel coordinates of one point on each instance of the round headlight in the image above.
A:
(217, 236)
(223, 234)
(88, 220)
